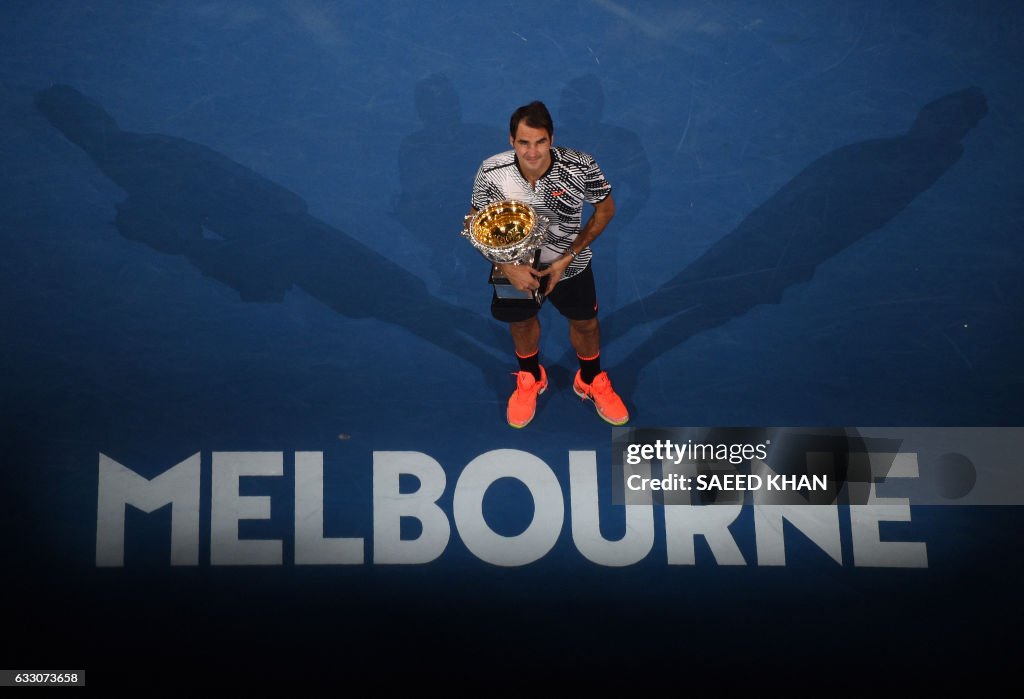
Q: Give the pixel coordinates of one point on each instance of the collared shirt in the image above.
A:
(573, 178)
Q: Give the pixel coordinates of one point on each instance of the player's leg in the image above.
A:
(576, 299)
(531, 379)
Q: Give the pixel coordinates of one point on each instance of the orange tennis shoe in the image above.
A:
(609, 406)
(522, 405)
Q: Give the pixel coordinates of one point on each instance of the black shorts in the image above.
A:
(575, 298)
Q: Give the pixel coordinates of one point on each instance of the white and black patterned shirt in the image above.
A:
(572, 179)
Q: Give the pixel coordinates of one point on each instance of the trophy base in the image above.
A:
(505, 292)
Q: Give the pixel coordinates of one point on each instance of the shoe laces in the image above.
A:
(601, 384)
(525, 380)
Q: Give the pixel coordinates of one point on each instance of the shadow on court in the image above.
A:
(830, 205)
(257, 237)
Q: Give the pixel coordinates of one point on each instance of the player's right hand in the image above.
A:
(522, 277)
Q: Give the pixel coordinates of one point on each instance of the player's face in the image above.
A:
(533, 147)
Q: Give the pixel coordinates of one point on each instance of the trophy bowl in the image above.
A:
(506, 231)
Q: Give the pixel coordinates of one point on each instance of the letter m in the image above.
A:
(120, 486)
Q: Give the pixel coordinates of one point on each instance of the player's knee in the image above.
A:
(585, 326)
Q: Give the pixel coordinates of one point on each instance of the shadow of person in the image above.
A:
(831, 204)
(436, 167)
(622, 158)
(252, 234)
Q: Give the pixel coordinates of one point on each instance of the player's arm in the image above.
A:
(604, 210)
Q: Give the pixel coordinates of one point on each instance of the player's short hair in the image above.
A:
(536, 115)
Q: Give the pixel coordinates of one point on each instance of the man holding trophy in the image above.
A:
(526, 211)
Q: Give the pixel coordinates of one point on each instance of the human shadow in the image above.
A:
(436, 167)
(254, 235)
(831, 204)
(622, 158)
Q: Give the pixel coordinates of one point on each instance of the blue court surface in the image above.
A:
(229, 254)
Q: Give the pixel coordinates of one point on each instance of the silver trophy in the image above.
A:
(508, 231)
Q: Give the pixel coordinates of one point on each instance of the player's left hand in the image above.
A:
(555, 271)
